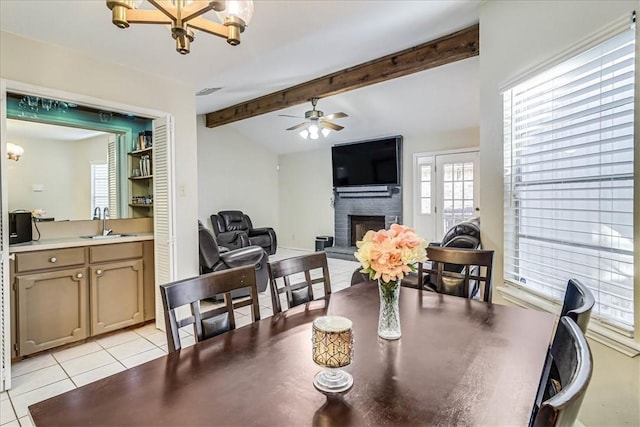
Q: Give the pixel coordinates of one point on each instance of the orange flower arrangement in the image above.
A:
(390, 254)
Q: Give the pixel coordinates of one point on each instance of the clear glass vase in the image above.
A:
(389, 320)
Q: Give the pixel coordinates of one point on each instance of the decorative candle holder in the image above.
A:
(332, 339)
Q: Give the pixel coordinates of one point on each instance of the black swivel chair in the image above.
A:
(215, 258)
(229, 225)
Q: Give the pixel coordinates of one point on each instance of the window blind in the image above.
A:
(568, 136)
(99, 186)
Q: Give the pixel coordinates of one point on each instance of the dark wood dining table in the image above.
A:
(459, 362)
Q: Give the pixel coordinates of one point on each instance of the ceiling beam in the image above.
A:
(453, 47)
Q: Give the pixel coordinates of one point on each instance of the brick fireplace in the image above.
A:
(359, 209)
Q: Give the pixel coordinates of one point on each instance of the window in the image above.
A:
(99, 186)
(425, 189)
(569, 179)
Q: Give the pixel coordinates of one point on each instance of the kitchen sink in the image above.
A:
(108, 236)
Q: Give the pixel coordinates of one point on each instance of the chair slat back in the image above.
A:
(571, 355)
(443, 258)
(299, 292)
(213, 322)
(578, 302)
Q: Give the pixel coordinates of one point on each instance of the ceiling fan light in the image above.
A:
(304, 133)
(313, 128)
(325, 132)
(314, 135)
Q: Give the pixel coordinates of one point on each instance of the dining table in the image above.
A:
(458, 362)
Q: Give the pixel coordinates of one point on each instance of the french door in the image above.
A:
(446, 191)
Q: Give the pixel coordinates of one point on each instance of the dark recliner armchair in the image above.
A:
(216, 258)
(230, 223)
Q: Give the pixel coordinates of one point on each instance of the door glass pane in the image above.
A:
(425, 189)
(448, 190)
(425, 172)
(468, 171)
(458, 192)
(426, 206)
(468, 190)
(448, 172)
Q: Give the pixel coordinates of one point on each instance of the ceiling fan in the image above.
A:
(317, 123)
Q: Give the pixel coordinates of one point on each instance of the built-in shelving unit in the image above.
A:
(141, 178)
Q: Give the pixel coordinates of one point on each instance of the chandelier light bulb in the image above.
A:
(242, 9)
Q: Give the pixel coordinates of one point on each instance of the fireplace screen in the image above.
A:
(361, 224)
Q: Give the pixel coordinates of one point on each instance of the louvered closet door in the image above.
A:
(163, 211)
(5, 338)
(113, 177)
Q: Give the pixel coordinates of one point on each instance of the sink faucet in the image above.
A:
(105, 216)
(96, 213)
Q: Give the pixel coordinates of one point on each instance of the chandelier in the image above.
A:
(186, 15)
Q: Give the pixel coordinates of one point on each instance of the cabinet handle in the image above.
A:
(53, 259)
(79, 275)
(98, 272)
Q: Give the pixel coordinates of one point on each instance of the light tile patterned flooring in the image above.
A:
(57, 371)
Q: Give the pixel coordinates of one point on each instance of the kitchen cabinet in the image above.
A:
(116, 296)
(52, 309)
(59, 296)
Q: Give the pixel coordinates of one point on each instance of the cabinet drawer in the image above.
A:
(53, 258)
(115, 252)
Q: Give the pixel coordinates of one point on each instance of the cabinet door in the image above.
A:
(116, 295)
(52, 309)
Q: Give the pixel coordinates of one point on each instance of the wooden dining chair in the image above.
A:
(192, 291)
(458, 271)
(299, 292)
(562, 396)
(578, 303)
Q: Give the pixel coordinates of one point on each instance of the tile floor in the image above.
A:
(57, 371)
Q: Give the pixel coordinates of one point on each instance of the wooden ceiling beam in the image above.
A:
(453, 47)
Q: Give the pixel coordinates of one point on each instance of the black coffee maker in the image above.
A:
(20, 227)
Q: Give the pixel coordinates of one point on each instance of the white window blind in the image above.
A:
(99, 186)
(569, 179)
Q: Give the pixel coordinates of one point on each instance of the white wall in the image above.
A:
(305, 188)
(305, 185)
(515, 36)
(55, 67)
(236, 174)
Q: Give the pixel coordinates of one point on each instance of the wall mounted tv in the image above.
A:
(375, 162)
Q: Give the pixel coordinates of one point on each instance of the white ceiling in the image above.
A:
(286, 43)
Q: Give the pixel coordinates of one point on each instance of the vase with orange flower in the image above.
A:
(387, 256)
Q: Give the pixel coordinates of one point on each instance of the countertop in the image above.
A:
(72, 242)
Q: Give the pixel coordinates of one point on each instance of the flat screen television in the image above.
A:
(376, 162)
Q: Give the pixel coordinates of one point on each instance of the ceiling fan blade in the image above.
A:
(329, 125)
(287, 115)
(334, 116)
(298, 126)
